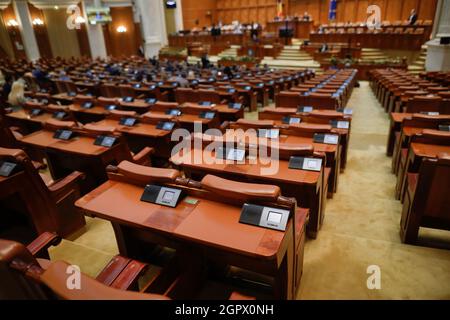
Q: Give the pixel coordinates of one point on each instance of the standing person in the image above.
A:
(141, 49)
(413, 17)
(205, 61)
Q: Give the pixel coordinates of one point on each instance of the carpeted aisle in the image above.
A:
(361, 228)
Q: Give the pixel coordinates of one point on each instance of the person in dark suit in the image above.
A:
(412, 17)
(323, 48)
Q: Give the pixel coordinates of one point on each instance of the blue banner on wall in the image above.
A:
(332, 11)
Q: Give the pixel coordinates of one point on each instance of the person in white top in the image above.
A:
(17, 95)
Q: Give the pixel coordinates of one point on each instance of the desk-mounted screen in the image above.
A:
(445, 127)
(231, 154)
(8, 168)
(105, 141)
(165, 196)
(111, 107)
(129, 122)
(174, 112)
(205, 103)
(59, 115)
(236, 106)
(87, 105)
(305, 109)
(326, 138)
(128, 99)
(207, 115)
(269, 133)
(150, 100)
(64, 134)
(340, 124)
(36, 112)
(266, 217)
(346, 111)
(165, 125)
(291, 120)
(72, 94)
(303, 163)
(430, 113)
(137, 85)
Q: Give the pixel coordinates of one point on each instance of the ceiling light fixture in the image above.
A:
(121, 29)
(12, 23)
(37, 22)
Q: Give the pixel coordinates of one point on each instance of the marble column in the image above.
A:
(179, 16)
(438, 55)
(151, 13)
(26, 29)
(94, 32)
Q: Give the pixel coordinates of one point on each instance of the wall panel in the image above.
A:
(5, 41)
(126, 43)
(40, 32)
(15, 37)
(347, 10)
(63, 42)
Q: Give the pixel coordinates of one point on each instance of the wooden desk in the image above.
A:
(333, 152)
(96, 113)
(143, 135)
(300, 28)
(194, 228)
(306, 186)
(64, 98)
(417, 151)
(77, 154)
(188, 121)
(138, 105)
(225, 113)
(30, 124)
(396, 120)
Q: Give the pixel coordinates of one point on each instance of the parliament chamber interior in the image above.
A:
(225, 149)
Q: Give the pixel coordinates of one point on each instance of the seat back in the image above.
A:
(288, 99)
(423, 104)
(17, 283)
(183, 95)
(208, 95)
(23, 277)
(31, 189)
(432, 198)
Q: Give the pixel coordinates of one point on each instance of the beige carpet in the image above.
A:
(361, 229)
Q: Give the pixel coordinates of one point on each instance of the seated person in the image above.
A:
(324, 48)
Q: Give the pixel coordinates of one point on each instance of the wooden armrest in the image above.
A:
(43, 242)
(17, 134)
(237, 296)
(141, 96)
(55, 278)
(224, 125)
(128, 278)
(112, 270)
(39, 165)
(224, 101)
(60, 188)
(258, 123)
(239, 190)
(146, 174)
(143, 157)
(98, 129)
